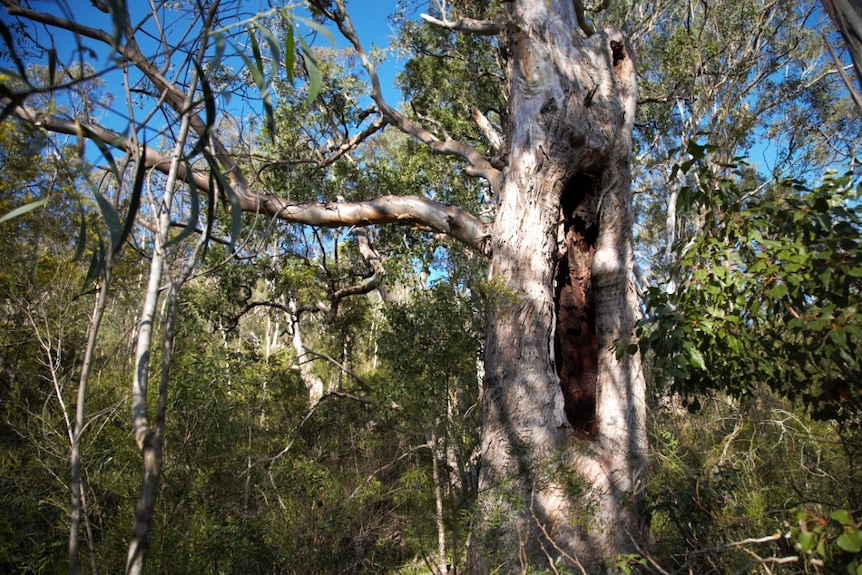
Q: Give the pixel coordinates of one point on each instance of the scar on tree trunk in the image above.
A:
(575, 346)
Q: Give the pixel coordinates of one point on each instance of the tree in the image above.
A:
(563, 411)
(847, 17)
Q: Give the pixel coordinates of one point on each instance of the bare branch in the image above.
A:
(480, 165)
(847, 16)
(411, 210)
(471, 25)
(152, 157)
(493, 136)
(353, 141)
(854, 93)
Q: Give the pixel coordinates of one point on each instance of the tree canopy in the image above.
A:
(583, 297)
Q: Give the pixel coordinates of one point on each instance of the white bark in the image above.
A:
(572, 105)
(566, 155)
(436, 454)
(303, 361)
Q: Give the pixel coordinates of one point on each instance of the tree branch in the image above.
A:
(471, 25)
(493, 136)
(152, 157)
(480, 165)
(409, 210)
(847, 17)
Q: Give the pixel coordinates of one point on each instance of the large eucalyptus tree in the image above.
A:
(563, 411)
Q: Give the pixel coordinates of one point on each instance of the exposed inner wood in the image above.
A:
(576, 348)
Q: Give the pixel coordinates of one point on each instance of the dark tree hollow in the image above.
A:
(576, 349)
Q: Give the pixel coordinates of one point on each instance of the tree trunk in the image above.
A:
(563, 415)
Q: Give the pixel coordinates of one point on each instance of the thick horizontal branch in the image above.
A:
(471, 25)
(408, 210)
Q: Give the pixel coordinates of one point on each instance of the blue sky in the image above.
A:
(370, 18)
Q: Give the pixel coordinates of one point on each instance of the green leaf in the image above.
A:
(97, 263)
(134, 203)
(838, 337)
(850, 540)
(289, 51)
(106, 153)
(696, 150)
(109, 214)
(806, 541)
(191, 226)
(12, 52)
(52, 65)
(778, 291)
(233, 198)
(315, 79)
(209, 111)
(317, 27)
(842, 517)
(695, 358)
(21, 210)
(260, 80)
(274, 49)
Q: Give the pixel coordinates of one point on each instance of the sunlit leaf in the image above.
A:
(315, 79)
(695, 357)
(842, 517)
(317, 27)
(20, 210)
(850, 541)
(778, 291)
(289, 52)
(806, 541)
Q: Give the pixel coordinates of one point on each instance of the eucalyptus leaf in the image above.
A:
(21, 210)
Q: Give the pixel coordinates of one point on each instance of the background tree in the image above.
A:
(516, 171)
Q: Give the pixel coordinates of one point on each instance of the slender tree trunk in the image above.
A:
(77, 507)
(149, 439)
(436, 454)
(563, 415)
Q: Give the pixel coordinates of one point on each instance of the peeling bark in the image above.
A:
(563, 434)
(563, 438)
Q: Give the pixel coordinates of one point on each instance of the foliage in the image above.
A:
(770, 299)
(261, 477)
(727, 482)
(467, 70)
(833, 542)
